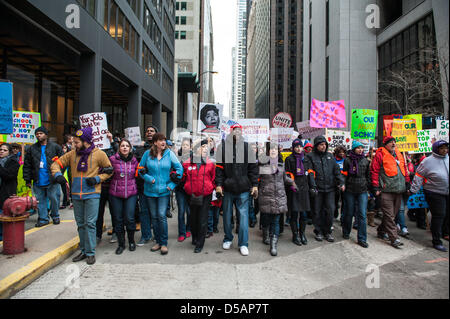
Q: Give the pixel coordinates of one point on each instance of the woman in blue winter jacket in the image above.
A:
(155, 168)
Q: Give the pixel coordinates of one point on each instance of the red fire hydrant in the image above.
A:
(15, 212)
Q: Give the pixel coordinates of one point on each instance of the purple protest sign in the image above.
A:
(328, 114)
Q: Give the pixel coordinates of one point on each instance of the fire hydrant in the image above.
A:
(15, 212)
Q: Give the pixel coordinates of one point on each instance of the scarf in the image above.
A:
(126, 159)
(299, 169)
(82, 164)
(354, 167)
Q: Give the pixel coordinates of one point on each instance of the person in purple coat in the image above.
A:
(123, 194)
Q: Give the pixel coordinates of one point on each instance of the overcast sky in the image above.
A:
(224, 28)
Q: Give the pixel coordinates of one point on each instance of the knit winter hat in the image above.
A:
(237, 125)
(42, 129)
(296, 143)
(438, 144)
(356, 144)
(388, 139)
(309, 145)
(85, 134)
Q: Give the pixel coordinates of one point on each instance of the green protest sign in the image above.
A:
(364, 124)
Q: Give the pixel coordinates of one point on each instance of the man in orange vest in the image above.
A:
(390, 179)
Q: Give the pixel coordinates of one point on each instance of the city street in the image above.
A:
(318, 270)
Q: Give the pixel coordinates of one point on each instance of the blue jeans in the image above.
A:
(251, 211)
(123, 213)
(241, 202)
(42, 195)
(274, 224)
(144, 216)
(158, 208)
(360, 201)
(183, 213)
(400, 218)
(86, 213)
(213, 218)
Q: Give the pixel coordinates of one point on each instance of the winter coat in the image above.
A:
(432, 173)
(8, 176)
(159, 171)
(80, 189)
(139, 153)
(359, 183)
(327, 173)
(241, 174)
(272, 197)
(199, 181)
(32, 161)
(123, 182)
(298, 201)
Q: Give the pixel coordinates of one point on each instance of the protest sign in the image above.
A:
(367, 144)
(417, 200)
(387, 123)
(426, 138)
(364, 124)
(24, 125)
(405, 134)
(99, 124)
(338, 138)
(417, 117)
(328, 114)
(285, 155)
(225, 126)
(209, 118)
(282, 136)
(133, 134)
(6, 111)
(282, 120)
(442, 130)
(308, 132)
(255, 130)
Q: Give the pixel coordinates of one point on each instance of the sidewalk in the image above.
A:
(45, 248)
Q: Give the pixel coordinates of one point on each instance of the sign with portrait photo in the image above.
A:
(209, 118)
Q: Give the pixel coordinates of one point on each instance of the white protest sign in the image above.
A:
(255, 130)
(442, 130)
(367, 144)
(282, 120)
(24, 126)
(99, 125)
(308, 132)
(133, 134)
(282, 136)
(426, 139)
(338, 138)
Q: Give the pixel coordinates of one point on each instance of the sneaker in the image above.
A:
(80, 257)
(188, 234)
(227, 245)
(363, 244)
(404, 232)
(41, 224)
(113, 238)
(319, 237)
(164, 250)
(329, 238)
(244, 250)
(397, 244)
(383, 236)
(181, 238)
(440, 248)
(142, 242)
(56, 221)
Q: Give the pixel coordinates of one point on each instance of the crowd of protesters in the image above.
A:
(311, 186)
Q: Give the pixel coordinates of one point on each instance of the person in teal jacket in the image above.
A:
(156, 168)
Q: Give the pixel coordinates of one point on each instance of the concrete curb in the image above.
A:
(27, 274)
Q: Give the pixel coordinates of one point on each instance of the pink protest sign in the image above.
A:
(328, 114)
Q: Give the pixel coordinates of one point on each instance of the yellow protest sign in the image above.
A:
(417, 117)
(405, 133)
(285, 155)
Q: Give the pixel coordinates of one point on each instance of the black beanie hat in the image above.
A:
(42, 129)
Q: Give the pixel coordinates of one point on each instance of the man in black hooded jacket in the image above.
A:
(327, 176)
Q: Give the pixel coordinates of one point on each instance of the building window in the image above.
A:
(135, 6)
(89, 5)
(327, 27)
(183, 6)
(157, 4)
(177, 20)
(177, 6)
(327, 79)
(150, 64)
(183, 20)
(177, 35)
(182, 35)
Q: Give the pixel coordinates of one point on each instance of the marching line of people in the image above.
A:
(206, 179)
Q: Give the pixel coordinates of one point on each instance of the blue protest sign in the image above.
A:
(6, 112)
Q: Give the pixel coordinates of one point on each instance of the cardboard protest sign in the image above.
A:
(364, 124)
(133, 134)
(209, 116)
(99, 124)
(308, 132)
(417, 117)
(282, 120)
(417, 200)
(328, 114)
(426, 139)
(6, 111)
(442, 130)
(255, 130)
(282, 136)
(285, 155)
(405, 133)
(338, 138)
(24, 125)
(388, 120)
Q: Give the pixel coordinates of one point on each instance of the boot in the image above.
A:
(131, 243)
(295, 237)
(302, 232)
(371, 219)
(266, 240)
(121, 241)
(273, 245)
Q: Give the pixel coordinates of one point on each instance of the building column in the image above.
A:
(134, 106)
(90, 83)
(156, 115)
(169, 123)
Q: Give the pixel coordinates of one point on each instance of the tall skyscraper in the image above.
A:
(241, 60)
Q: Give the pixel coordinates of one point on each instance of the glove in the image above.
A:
(174, 177)
(91, 181)
(61, 180)
(143, 171)
(314, 192)
(294, 189)
(108, 170)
